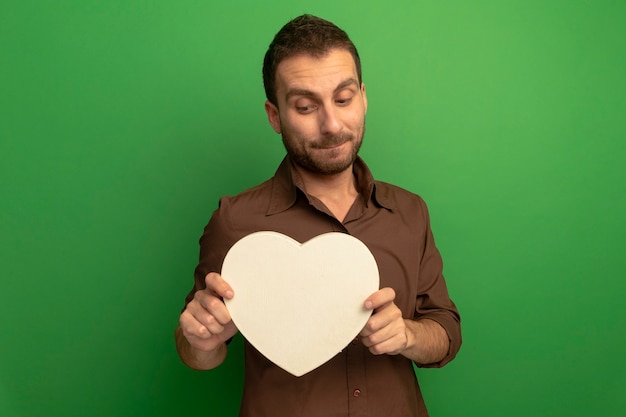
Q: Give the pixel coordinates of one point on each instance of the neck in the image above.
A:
(320, 185)
(336, 191)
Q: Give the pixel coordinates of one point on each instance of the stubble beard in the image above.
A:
(306, 158)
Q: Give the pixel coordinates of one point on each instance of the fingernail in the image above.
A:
(368, 305)
(229, 294)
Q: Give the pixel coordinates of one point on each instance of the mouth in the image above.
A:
(330, 147)
(332, 143)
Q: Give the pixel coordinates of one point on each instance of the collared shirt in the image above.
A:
(395, 226)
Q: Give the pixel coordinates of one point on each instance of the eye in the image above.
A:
(343, 101)
(305, 107)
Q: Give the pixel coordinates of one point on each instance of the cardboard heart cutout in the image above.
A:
(300, 304)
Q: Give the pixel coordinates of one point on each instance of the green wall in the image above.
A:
(122, 122)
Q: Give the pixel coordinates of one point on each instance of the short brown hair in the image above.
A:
(308, 35)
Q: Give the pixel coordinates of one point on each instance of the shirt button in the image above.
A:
(356, 392)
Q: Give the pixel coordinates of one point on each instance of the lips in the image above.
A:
(333, 142)
(329, 147)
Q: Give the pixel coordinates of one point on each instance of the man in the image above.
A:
(317, 101)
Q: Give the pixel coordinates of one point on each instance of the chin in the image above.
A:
(328, 167)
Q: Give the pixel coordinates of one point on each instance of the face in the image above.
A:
(321, 111)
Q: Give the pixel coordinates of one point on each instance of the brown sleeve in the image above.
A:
(433, 301)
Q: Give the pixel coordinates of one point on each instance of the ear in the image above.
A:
(364, 96)
(273, 116)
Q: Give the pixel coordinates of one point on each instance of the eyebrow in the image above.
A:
(304, 92)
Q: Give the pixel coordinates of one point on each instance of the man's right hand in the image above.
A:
(206, 322)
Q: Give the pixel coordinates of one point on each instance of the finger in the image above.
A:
(204, 324)
(209, 310)
(215, 283)
(197, 335)
(379, 335)
(192, 328)
(385, 319)
(373, 326)
(390, 339)
(380, 298)
(391, 346)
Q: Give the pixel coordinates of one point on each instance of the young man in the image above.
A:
(317, 101)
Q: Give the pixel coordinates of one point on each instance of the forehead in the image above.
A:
(315, 73)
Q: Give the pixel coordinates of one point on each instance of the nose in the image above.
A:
(329, 123)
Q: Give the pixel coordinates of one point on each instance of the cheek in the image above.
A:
(356, 121)
(356, 116)
(304, 127)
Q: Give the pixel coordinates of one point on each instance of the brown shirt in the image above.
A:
(395, 226)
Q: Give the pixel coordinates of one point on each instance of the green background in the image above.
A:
(122, 122)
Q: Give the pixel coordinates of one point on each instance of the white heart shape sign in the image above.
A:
(299, 304)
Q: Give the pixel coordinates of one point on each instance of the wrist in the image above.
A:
(427, 341)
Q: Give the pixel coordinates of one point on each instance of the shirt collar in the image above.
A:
(287, 182)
